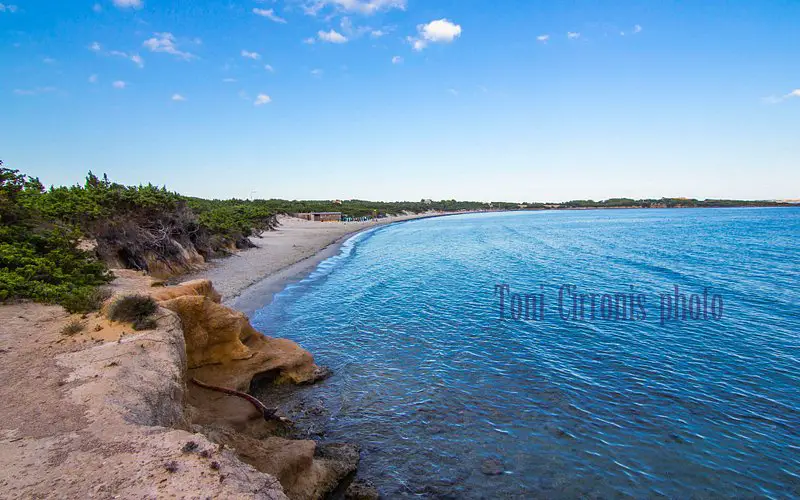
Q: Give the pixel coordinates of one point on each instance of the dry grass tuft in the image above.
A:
(74, 327)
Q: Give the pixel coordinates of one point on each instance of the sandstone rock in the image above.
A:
(223, 349)
(305, 471)
(203, 288)
(113, 419)
(229, 351)
(212, 331)
(101, 421)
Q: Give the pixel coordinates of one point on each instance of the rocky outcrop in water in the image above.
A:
(217, 335)
(223, 349)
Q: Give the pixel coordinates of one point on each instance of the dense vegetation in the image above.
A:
(348, 208)
(362, 208)
(39, 256)
(55, 243)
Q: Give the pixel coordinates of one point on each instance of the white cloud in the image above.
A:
(119, 84)
(778, 99)
(93, 79)
(35, 91)
(135, 58)
(572, 35)
(309, 41)
(416, 43)
(317, 73)
(251, 55)
(262, 99)
(635, 31)
(178, 98)
(397, 60)
(439, 31)
(124, 4)
(543, 38)
(351, 31)
(269, 68)
(229, 80)
(347, 26)
(366, 7)
(165, 42)
(792, 94)
(8, 8)
(49, 60)
(453, 92)
(269, 14)
(332, 36)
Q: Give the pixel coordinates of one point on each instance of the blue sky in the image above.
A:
(406, 99)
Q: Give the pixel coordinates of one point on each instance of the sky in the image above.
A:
(519, 100)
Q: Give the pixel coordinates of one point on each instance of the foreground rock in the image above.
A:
(96, 416)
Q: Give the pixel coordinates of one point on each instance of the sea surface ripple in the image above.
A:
(448, 400)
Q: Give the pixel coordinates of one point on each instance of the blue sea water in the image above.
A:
(448, 400)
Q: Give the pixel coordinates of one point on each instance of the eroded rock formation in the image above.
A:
(88, 419)
(223, 349)
(115, 417)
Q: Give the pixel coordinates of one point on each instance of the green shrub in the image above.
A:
(85, 300)
(74, 327)
(136, 309)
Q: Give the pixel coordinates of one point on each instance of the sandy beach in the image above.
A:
(248, 279)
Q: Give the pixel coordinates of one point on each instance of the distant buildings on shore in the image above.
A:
(320, 216)
(337, 217)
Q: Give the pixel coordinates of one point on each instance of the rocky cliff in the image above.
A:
(110, 412)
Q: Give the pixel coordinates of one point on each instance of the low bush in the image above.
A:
(85, 300)
(74, 327)
(135, 309)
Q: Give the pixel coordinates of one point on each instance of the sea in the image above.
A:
(632, 353)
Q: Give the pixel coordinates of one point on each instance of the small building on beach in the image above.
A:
(321, 216)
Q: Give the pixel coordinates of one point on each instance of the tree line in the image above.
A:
(56, 243)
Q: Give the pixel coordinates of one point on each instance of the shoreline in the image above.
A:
(275, 267)
(248, 280)
(262, 292)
